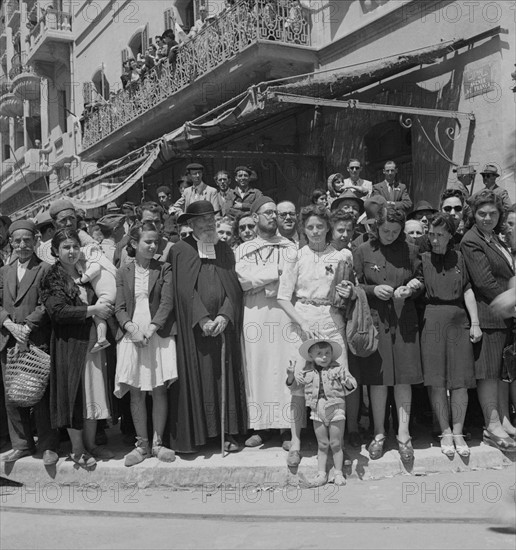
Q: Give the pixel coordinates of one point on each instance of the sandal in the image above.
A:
(447, 450)
(507, 444)
(339, 478)
(462, 450)
(84, 460)
(139, 454)
(375, 448)
(293, 458)
(319, 480)
(406, 450)
(231, 445)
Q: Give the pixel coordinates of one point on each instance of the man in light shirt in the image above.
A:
(363, 188)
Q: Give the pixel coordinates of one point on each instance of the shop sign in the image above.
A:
(478, 81)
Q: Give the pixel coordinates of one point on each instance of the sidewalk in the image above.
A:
(260, 466)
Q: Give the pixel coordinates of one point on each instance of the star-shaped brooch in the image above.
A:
(375, 268)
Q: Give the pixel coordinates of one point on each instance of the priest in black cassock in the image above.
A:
(208, 303)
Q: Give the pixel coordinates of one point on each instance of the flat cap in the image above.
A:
(59, 206)
(195, 166)
(22, 224)
(244, 169)
(112, 207)
(110, 221)
(258, 203)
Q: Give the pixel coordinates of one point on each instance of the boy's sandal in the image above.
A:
(84, 460)
(339, 478)
(375, 448)
(406, 450)
(320, 479)
(293, 458)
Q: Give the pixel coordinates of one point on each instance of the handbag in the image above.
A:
(26, 375)
(509, 361)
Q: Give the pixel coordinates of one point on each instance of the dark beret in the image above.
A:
(59, 206)
(258, 203)
(22, 224)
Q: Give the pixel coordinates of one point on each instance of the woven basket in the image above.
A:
(26, 375)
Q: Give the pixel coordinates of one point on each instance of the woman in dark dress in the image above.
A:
(78, 396)
(447, 332)
(386, 266)
(491, 267)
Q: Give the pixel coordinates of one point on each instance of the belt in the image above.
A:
(315, 302)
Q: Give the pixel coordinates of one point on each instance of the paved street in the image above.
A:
(466, 510)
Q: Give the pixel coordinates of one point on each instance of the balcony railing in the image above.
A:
(5, 85)
(232, 32)
(19, 65)
(54, 20)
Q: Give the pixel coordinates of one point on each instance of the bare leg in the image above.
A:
(459, 406)
(440, 408)
(77, 441)
(297, 404)
(89, 432)
(336, 433)
(101, 329)
(503, 407)
(378, 399)
(323, 446)
(352, 408)
(139, 413)
(403, 398)
(488, 396)
(159, 412)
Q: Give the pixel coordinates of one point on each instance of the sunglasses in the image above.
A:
(248, 226)
(283, 215)
(448, 209)
(354, 168)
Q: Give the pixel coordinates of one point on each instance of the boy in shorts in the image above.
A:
(325, 385)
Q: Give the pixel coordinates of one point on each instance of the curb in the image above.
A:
(256, 467)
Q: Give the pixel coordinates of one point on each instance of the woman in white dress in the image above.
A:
(308, 282)
(146, 354)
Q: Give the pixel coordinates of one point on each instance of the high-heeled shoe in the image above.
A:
(375, 448)
(462, 449)
(507, 444)
(406, 450)
(448, 450)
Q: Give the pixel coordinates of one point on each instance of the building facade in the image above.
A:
(293, 88)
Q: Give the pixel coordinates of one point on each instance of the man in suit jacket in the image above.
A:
(395, 193)
(23, 320)
(198, 192)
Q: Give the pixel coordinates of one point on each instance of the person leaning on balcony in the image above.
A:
(170, 40)
(245, 195)
(198, 192)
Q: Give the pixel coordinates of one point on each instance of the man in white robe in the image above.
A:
(265, 326)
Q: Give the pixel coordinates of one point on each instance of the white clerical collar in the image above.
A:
(205, 250)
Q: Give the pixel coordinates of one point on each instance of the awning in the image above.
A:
(260, 101)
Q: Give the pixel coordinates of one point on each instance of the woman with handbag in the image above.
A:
(78, 389)
(386, 266)
(308, 280)
(491, 267)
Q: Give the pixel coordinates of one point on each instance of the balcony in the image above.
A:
(54, 28)
(10, 105)
(237, 49)
(25, 171)
(12, 13)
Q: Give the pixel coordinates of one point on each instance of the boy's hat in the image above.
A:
(305, 347)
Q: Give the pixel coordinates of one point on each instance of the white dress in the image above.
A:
(308, 280)
(153, 365)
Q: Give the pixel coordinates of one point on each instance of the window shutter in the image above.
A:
(125, 57)
(87, 92)
(170, 20)
(145, 38)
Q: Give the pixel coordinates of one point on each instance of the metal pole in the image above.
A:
(222, 393)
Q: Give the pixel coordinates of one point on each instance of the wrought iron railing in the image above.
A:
(19, 65)
(51, 19)
(5, 85)
(246, 22)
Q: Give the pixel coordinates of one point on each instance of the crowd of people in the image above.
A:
(227, 306)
